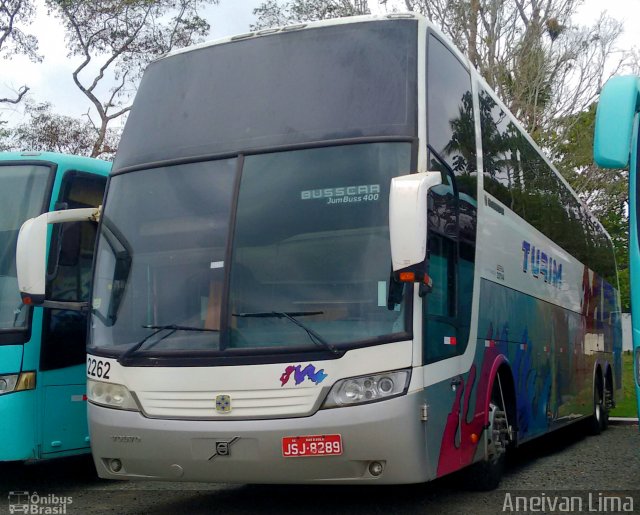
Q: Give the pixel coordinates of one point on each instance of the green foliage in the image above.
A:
(626, 402)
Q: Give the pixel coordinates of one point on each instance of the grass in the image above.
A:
(626, 403)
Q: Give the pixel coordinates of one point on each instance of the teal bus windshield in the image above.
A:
(617, 145)
(42, 351)
(23, 189)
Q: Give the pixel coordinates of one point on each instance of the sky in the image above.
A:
(51, 80)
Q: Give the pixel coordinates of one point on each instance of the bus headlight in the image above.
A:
(369, 388)
(17, 382)
(111, 395)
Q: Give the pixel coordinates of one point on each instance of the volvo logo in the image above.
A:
(223, 404)
(223, 447)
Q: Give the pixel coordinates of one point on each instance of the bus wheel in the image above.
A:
(597, 420)
(607, 404)
(486, 475)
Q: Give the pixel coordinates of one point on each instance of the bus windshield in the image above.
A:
(293, 87)
(23, 189)
(306, 265)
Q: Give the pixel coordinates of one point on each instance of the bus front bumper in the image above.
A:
(389, 433)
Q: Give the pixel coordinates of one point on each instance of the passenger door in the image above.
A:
(62, 356)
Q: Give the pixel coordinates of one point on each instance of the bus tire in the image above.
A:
(596, 422)
(486, 475)
(607, 400)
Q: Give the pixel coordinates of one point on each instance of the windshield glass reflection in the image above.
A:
(22, 193)
(308, 269)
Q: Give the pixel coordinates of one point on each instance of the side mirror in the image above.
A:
(408, 218)
(619, 101)
(408, 232)
(31, 253)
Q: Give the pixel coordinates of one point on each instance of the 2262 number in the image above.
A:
(97, 368)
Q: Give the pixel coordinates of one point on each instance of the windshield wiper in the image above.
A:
(315, 337)
(181, 328)
(172, 328)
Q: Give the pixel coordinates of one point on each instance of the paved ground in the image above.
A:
(566, 464)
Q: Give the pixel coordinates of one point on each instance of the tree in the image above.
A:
(4, 137)
(14, 41)
(540, 64)
(273, 14)
(115, 40)
(46, 131)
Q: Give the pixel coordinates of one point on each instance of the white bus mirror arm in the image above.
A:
(89, 214)
(31, 252)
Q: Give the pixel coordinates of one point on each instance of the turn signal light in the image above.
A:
(26, 381)
(414, 277)
(407, 277)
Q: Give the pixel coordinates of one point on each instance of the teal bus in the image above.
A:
(42, 349)
(617, 145)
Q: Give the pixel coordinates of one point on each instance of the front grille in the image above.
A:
(244, 403)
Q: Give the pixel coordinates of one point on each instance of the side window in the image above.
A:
(443, 251)
(440, 309)
(451, 127)
(452, 205)
(517, 175)
(540, 203)
(69, 273)
(503, 172)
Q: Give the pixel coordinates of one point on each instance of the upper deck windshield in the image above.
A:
(295, 87)
(310, 242)
(23, 189)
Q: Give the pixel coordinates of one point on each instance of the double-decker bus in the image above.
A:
(329, 254)
(616, 145)
(42, 349)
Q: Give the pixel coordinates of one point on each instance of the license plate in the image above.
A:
(312, 445)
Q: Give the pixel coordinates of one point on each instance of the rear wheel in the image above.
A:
(597, 421)
(607, 405)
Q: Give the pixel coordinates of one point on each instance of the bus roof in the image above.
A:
(66, 161)
(315, 24)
